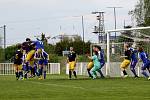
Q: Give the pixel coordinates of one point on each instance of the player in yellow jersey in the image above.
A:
(18, 63)
(72, 62)
(127, 58)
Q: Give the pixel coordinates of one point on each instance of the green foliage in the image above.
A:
(10, 51)
(142, 13)
(82, 58)
(49, 48)
(1, 55)
(53, 58)
(79, 46)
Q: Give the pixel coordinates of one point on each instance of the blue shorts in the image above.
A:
(133, 64)
(26, 66)
(43, 62)
(145, 66)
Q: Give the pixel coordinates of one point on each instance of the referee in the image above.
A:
(72, 62)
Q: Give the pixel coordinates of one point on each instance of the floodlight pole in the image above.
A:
(101, 30)
(115, 19)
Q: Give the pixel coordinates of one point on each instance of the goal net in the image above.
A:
(114, 49)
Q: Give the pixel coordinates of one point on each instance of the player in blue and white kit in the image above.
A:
(42, 58)
(39, 44)
(146, 62)
(134, 61)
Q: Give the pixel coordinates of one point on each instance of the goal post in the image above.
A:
(108, 32)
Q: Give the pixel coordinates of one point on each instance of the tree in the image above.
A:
(141, 13)
(80, 47)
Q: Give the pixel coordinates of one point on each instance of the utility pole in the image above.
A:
(101, 28)
(115, 19)
(4, 42)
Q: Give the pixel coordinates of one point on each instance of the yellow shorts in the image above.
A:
(90, 65)
(30, 55)
(18, 67)
(125, 64)
(72, 65)
(31, 63)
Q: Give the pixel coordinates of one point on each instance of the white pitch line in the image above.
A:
(58, 85)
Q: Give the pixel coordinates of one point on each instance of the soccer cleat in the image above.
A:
(102, 77)
(94, 77)
(40, 78)
(21, 78)
(136, 77)
(17, 78)
(125, 76)
(69, 78)
(149, 78)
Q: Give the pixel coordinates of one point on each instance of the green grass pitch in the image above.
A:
(58, 87)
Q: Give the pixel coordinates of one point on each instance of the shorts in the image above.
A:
(18, 67)
(31, 63)
(145, 66)
(72, 65)
(90, 65)
(43, 62)
(18, 62)
(125, 64)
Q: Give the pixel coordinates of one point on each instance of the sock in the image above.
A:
(74, 74)
(44, 74)
(70, 74)
(32, 71)
(145, 74)
(39, 72)
(124, 72)
(35, 70)
(100, 72)
(88, 70)
(25, 75)
(134, 72)
(42, 71)
(21, 74)
(17, 75)
(94, 74)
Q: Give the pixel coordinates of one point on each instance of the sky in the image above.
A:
(29, 18)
